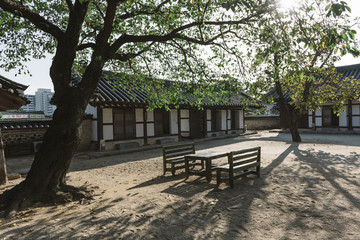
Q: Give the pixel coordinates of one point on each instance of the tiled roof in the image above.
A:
(23, 124)
(12, 87)
(11, 94)
(350, 71)
(108, 92)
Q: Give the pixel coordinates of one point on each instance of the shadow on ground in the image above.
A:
(286, 202)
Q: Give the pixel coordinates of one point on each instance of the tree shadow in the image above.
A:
(195, 209)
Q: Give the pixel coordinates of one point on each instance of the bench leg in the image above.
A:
(231, 179)
(186, 167)
(173, 169)
(258, 171)
(218, 177)
(164, 167)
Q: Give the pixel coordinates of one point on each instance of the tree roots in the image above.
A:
(19, 197)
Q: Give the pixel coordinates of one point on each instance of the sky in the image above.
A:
(39, 69)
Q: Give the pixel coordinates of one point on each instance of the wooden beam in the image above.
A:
(145, 126)
(3, 174)
(179, 123)
(350, 115)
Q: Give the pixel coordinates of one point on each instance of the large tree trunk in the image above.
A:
(46, 179)
(290, 114)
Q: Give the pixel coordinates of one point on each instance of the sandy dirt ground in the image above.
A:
(308, 190)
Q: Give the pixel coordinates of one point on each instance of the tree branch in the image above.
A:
(138, 13)
(24, 12)
(174, 34)
(126, 57)
(70, 5)
(85, 45)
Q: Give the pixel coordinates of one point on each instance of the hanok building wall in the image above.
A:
(123, 120)
(117, 125)
(348, 118)
(324, 117)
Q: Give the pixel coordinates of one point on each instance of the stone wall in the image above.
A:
(262, 122)
(85, 135)
(20, 141)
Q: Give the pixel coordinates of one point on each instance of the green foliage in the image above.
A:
(297, 49)
(148, 39)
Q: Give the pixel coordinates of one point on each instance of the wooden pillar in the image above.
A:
(313, 125)
(100, 122)
(145, 126)
(179, 124)
(3, 174)
(204, 122)
(243, 118)
(350, 126)
(227, 121)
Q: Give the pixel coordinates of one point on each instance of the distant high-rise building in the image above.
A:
(31, 106)
(40, 102)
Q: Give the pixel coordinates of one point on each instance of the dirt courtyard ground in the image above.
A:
(309, 190)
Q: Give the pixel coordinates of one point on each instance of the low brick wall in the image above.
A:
(20, 141)
(262, 122)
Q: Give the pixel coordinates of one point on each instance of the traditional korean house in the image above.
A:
(349, 117)
(121, 119)
(11, 97)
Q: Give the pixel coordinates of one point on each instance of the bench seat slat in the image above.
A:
(237, 157)
(169, 151)
(181, 153)
(239, 163)
(226, 167)
(174, 154)
(254, 159)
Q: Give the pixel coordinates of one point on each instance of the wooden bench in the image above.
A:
(240, 163)
(174, 155)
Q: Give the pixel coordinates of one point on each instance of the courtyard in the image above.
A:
(307, 190)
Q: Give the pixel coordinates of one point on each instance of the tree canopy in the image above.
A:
(295, 52)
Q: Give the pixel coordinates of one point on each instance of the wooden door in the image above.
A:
(196, 123)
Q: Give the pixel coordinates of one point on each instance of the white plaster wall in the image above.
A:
(150, 130)
(184, 113)
(356, 121)
(355, 109)
(343, 118)
(208, 114)
(139, 115)
(185, 125)
(223, 119)
(209, 126)
(173, 122)
(229, 124)
(310, 118)
(91, 110)
(241, 119)
(310, 121)
(108, 132)
(139, 130)
(150, 116)
(94, 130)
(107, 115)
(318, 121)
